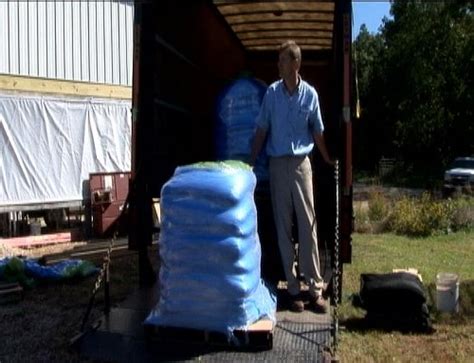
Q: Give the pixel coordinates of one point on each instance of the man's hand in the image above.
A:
(330, 161)
(321, 144)
(257, 144)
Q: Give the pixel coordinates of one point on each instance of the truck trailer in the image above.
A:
(185, 53)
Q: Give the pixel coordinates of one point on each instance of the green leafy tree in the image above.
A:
(416, 83)
(428, 73)
(372, 133)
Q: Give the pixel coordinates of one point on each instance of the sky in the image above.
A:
(369, 12)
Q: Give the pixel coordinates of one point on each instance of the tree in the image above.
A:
(371, 131)
(426, 67)
(419, 86)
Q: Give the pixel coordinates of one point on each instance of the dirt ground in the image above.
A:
(38, 328)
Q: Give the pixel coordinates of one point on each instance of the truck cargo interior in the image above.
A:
(186, 54)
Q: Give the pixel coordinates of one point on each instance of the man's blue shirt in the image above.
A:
(290, 120)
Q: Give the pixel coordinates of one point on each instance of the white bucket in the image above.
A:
(447, 292)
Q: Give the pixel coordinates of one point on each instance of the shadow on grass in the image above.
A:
(405, 319)
(386, 324)
(406, 324)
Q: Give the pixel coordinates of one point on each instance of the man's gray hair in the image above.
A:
(293, 49)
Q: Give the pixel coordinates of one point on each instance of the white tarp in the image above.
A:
(49, 145)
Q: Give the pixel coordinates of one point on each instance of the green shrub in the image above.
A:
(436, 214)
(426, 216)
(462, 213)
(379, 206)
(405, 218)
(371, 215)
(361, 223)
(413, 216)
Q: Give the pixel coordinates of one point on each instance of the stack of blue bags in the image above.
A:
(238, 106)
(210, 251)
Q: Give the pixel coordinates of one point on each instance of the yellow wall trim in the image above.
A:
(63, 87)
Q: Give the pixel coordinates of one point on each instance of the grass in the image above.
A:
(383, 252)
(38, 327)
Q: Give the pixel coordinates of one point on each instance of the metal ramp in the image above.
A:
(120, 337)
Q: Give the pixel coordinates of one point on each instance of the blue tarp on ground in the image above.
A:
(20, 270)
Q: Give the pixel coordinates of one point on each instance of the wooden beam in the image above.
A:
(229, 8)
(63, 87)
(293, 17)
(40, 240)
(277, 41)
(284, 25)
(288, 34)
(276, 46)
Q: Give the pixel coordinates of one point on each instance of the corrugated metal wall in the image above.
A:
(85, 40)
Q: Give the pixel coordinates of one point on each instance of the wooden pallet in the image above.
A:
(258, 336)
(42, 240)
(10, 292)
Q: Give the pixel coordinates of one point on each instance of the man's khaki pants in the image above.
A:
(291, 186)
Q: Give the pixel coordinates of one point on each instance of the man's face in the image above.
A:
(286, 64)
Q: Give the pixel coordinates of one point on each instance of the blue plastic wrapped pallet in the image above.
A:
(210, 251)
(238, 106)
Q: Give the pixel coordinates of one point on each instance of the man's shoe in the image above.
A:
(296, 304)
(320, 305)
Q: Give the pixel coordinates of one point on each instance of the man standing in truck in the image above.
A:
(290, 122)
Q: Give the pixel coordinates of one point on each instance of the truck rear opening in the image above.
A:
(185, 53)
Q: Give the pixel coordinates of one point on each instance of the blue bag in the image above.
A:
(210, 251)
(237, 108)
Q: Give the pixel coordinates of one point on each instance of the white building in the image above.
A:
(65, 98)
